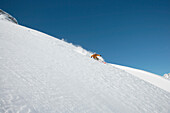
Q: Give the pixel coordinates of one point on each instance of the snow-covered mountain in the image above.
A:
(167, 76)
(42, 74)
(7, 17)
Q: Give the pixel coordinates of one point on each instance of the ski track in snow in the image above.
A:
(41, 74)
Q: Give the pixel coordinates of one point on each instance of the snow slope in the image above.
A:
(147, 76)
(42, 74)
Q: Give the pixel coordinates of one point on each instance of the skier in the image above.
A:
(95, 56)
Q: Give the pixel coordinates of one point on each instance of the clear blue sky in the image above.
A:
(133, 33)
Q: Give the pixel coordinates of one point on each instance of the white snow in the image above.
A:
(147, 76)
(42, 74)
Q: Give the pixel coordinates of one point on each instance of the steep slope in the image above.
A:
(147, 76)
(41, 74)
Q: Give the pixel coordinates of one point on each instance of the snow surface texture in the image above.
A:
(7, 17)
(147, 76)
(42, 74)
